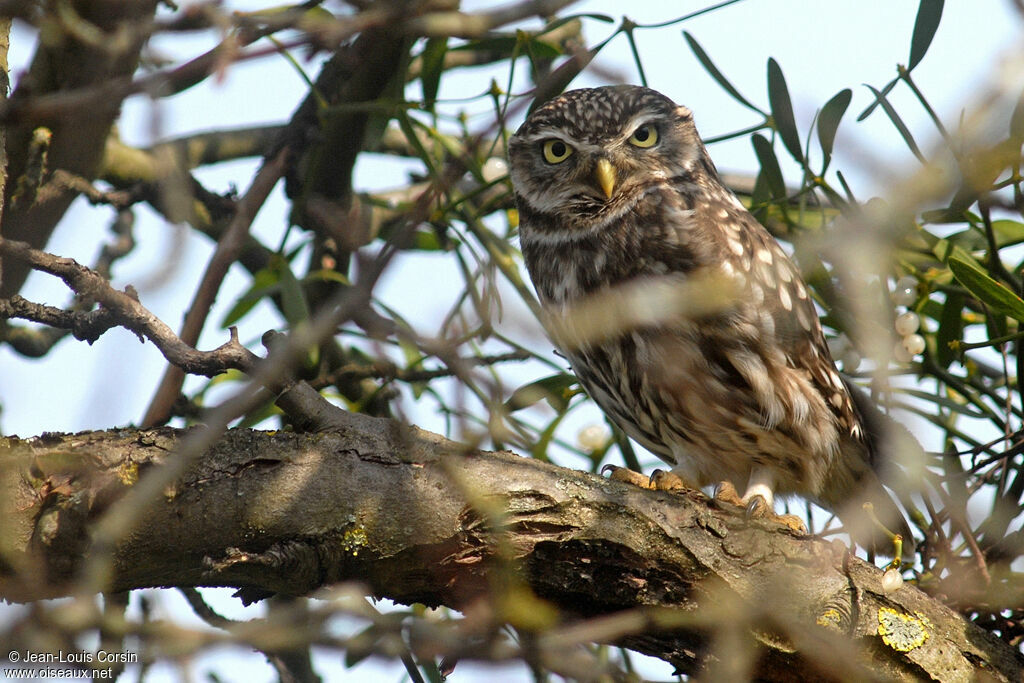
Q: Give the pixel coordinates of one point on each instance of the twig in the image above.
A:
(227, 251)
(203, 610)
(128, 311)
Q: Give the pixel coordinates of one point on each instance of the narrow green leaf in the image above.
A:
(507, 46)
(828, 122)
(327, 275)
(761, 193)
(929, 13)
(782, 110)
(636, 57)
(1017, 120)
(955, 406)
(432, 60)
(770, 169)
(539, 450)
(293, 299)
(263, 284)
(900, 126)
(1007, 233)
(562, 21)
(878, 99)
(988, 290)
(951, 328)
(555, 389)
(713, 71)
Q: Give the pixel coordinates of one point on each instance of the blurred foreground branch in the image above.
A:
(418, 519)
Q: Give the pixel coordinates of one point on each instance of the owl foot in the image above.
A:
(660, 480)
(757, 507)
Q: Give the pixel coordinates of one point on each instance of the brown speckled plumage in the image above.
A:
(745, 393)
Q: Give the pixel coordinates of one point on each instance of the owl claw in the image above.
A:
(668, 481)
(627, 475)
(756, 507)
(660, 480)
(725, 492)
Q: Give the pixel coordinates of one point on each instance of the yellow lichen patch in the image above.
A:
(354, 539)
(128, 473)
(830, 618)
(902, 632)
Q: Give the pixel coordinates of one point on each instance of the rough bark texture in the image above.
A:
(117, 30)
(417, 518)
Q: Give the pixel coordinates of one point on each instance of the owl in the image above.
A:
(680, 314)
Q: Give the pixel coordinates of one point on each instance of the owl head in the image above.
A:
(590, 155)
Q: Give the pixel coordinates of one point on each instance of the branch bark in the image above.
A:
(101, 43)
(418, 518)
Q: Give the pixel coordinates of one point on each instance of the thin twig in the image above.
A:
(226, 253)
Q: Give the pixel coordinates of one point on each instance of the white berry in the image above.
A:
(914, 344)
(905, 293)
(850, 358)
(900, 354)
(593, 437)
(892, 581)
(493, 169)
(907, 323)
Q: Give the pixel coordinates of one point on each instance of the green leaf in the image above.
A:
(988, 290)
(432, 66)
(770, 169)
(878, 99)
(955, 406)
(1017, 120)
(1007, 233)
(507, 46)
(929, 12)
(782, 110)
(327, 275)
(558, 23)
(713, 71)
(828, 122)
(426, 240)
(900, 126)
(555, 389)
(293, 298)
(263, 284)
(951, 328)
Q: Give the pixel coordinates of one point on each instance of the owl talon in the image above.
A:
(757, 508)
(628, 476)
(662, 480)
(725, 492)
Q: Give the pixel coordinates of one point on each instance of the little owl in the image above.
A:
(682, 317)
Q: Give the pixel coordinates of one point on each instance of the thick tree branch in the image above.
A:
(418, 518)
(100, 43)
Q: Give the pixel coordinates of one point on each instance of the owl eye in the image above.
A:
(556, 151)
(644, 136)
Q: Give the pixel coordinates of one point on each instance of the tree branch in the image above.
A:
(100, 43)
(126, 309)
(418, 518)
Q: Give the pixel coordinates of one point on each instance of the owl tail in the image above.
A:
(888, 453)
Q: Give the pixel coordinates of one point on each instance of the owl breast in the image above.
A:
(712, 394)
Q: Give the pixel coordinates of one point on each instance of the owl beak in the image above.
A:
(604, 174)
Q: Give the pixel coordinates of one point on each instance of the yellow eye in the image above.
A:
(644, 136)
(556, 151)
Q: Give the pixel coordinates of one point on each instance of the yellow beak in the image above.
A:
(604, 174)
